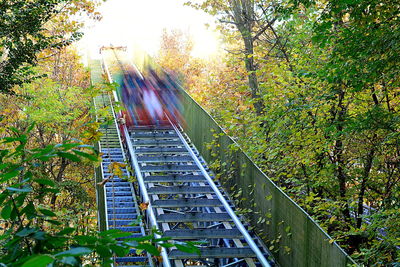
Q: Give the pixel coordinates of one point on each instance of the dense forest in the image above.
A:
(309, 89)
(48, 130)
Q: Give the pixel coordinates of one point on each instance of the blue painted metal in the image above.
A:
(121, 208)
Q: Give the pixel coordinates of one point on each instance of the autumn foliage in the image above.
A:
(309, 89)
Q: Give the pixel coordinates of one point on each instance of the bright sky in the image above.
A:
(139, 23)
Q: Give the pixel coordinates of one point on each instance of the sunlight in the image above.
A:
(139, 24)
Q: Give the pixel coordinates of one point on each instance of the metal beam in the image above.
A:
(180, 190)
(194, 217)
(186, 202)
(174, 178)
(213, 253)
(203, 233)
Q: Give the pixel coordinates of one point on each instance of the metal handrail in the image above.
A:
(102, 175)
(143, 190)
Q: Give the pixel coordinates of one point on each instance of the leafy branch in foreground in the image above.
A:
(33, 233)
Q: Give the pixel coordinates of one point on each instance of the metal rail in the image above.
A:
(144, 193)
(153, 221)
(227, 207)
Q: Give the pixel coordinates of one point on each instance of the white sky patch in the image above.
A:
(138, 24)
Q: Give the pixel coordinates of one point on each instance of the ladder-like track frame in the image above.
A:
(184, 200)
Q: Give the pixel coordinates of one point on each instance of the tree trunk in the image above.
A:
(251, 74)
(63, 165)
(367, 169)
(338, 154)
(243, 15)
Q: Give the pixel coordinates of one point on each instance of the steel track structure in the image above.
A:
(183, 200)
(121, 207)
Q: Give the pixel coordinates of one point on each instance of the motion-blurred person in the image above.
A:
(152, 103)
(152, 99)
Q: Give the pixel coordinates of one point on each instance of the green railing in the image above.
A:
(296, 238)
(96, 77)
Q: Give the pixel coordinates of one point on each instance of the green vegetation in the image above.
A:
(31, 27)
(309, 89)
(34, 232)
(47, 132)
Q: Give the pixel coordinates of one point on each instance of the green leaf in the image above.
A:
(87, 146)
(85, 155)
(70, 261)
(6, 211)
(14, 130)
(39, 235)
(54, 222)
(141, 239)
(30, 127)
(188, 248)
(67, 146)
(3, 197)
(47, 212)
(85, 239)
(149, 248)
(7, 176)
(13, 139)
(29, 210)
(25, 232)
(51, 190)
(119, 251)
(167, 245)
(45, 182)
(115, 233)
(3, 165)
(103, 251)
(79, 251)
(69, 156)
(66, 231)
(20, 190)
(46, 157)
(38, 261)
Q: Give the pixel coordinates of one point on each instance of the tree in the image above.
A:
(242, 15)
(26, 30)
(328, 76)
(175, 55)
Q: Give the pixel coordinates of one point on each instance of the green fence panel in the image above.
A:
(96, 77)
(297, 239)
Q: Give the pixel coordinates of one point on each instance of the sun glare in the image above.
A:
(138, 24)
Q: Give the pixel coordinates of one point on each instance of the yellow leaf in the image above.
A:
(115, 168)
(144, 205)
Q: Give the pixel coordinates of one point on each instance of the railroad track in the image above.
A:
(181, 196)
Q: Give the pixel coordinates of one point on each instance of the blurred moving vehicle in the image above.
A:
(150, 99)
